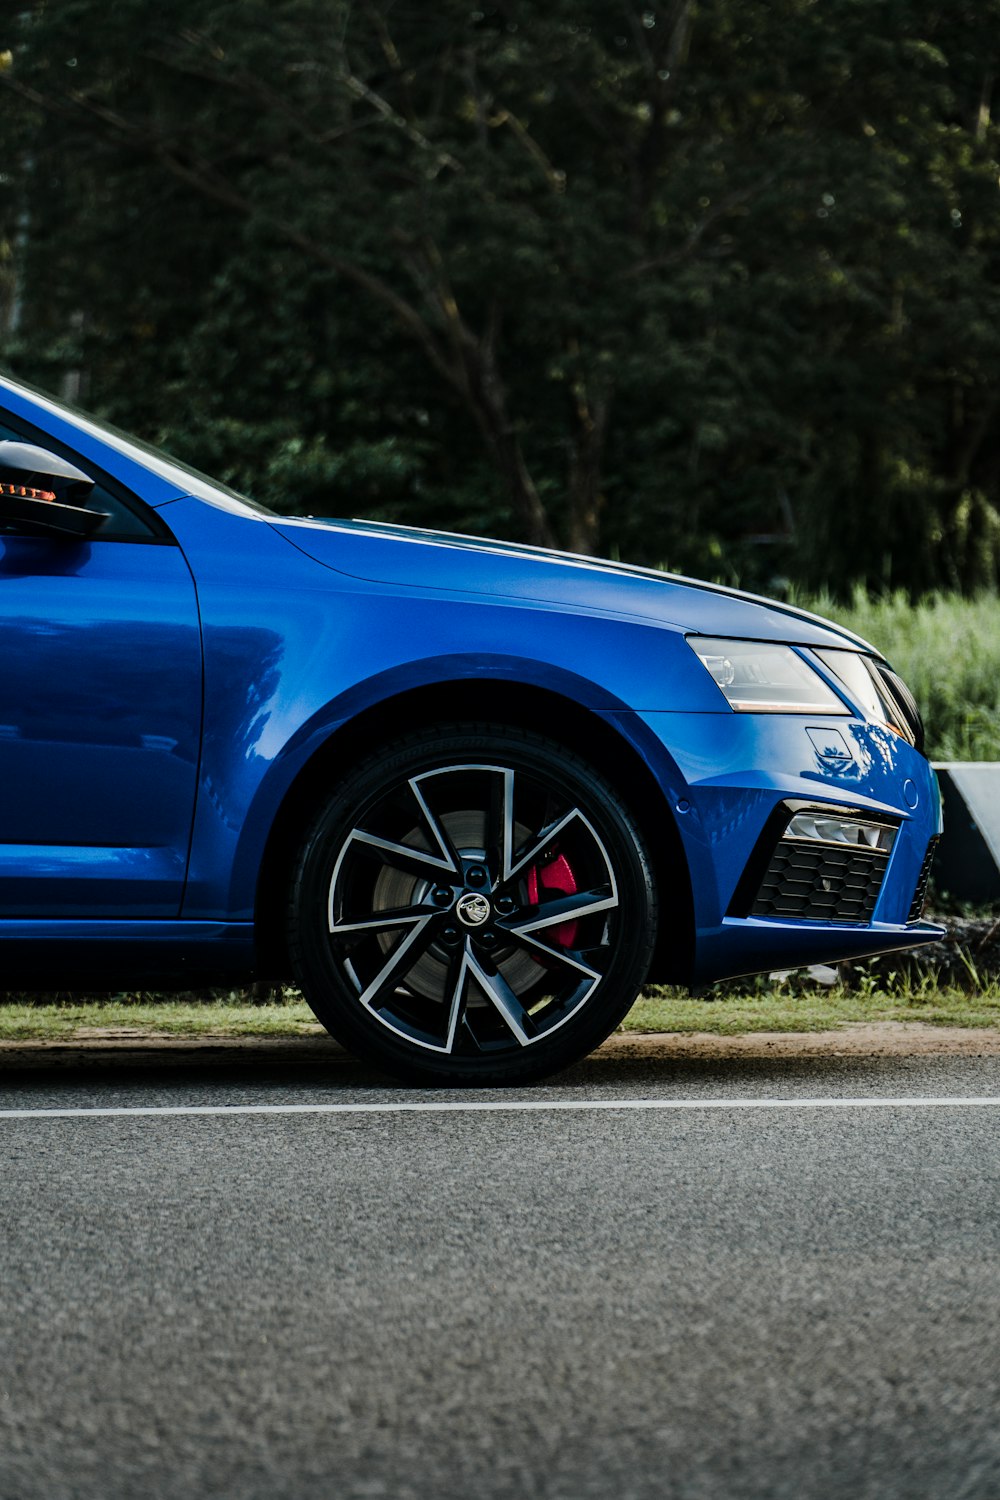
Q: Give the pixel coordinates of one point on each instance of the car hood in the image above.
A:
(409, 557)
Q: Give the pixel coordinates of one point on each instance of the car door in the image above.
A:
(100, 718)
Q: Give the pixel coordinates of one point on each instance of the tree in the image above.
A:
(710, 283)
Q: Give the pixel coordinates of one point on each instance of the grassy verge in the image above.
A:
(770, 1008)
(70, 1021)
(777, 1009)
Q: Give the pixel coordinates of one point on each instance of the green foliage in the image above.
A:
(716, 281)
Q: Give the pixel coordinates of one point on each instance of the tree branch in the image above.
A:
(685, 250)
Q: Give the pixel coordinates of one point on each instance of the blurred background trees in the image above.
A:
(707, 283)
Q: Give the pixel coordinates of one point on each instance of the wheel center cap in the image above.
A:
(472, 909)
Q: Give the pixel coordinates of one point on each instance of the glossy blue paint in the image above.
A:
(445, 565)
(100, 727)
(736, 768)
(749, 944)
(159, 701)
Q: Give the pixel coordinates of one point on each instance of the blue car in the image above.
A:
(468, 795)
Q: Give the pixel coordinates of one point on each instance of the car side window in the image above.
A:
(126, 521)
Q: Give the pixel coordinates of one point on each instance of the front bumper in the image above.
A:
(731, 777)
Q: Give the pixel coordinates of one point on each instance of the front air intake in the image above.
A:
(821, 884)
(826, 866)
(920, 894)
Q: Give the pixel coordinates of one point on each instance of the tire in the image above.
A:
(473, 906)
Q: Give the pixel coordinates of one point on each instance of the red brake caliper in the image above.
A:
(556, 876)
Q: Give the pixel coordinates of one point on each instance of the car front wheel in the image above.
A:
(475, 905)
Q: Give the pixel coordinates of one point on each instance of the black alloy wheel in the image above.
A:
(475, 906)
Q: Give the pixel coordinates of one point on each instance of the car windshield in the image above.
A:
(172, 470)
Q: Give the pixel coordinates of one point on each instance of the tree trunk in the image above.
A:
(486, 399)
(586, 498)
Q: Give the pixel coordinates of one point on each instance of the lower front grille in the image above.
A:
(920, 894)
(821, 882)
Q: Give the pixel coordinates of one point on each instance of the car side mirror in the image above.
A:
(44, 495)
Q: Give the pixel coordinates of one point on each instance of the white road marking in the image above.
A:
(498, 1106)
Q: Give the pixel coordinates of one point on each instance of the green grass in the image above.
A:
(948, 650)
(22, 1021)
(777, 1009)
(769, 1008)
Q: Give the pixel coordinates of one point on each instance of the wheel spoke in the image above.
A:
(546, 839)
(385, 920)
(502, 997)
(566, 909)
(500, 820)
(542, 842)
(535, 946)
(439, 833)
(403, 856)
(398, 963)
(458, 970)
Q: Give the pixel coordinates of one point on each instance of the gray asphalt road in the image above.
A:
(717, 1302)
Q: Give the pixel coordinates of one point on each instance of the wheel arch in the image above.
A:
(562, 719)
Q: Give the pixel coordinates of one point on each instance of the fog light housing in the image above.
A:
(831, 828)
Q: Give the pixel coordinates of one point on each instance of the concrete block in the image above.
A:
(968, 858)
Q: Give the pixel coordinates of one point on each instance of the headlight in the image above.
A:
(876, 689)
(762, 678)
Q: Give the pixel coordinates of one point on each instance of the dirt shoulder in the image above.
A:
(861, 1039)
(855, 1039)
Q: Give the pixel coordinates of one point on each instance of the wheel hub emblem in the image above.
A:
(472, 909)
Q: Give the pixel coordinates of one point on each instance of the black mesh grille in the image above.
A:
(920, 894)
(821, 882)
